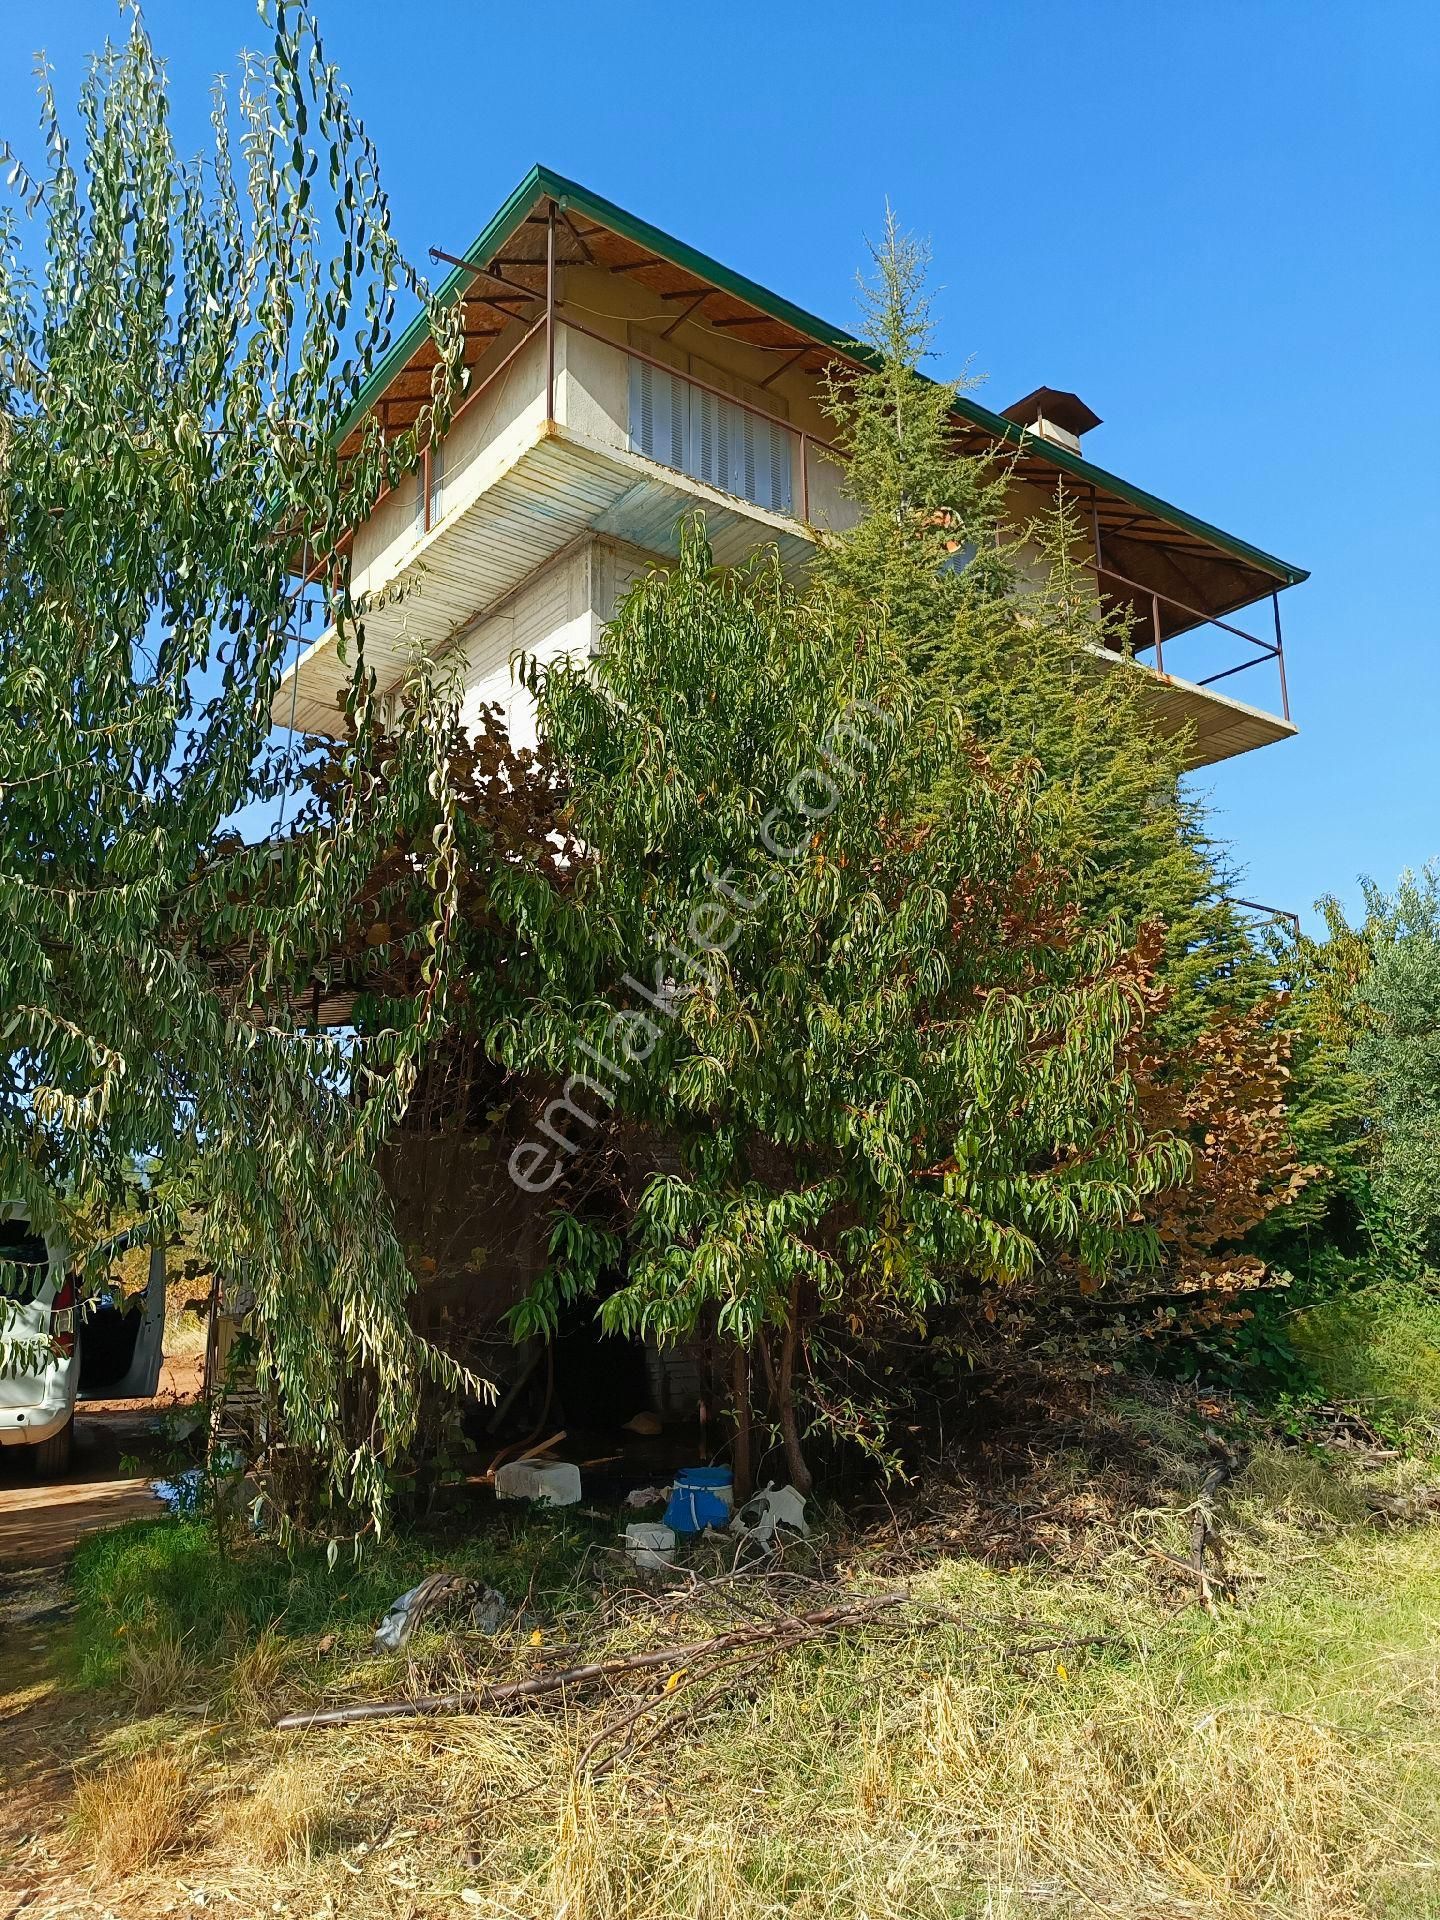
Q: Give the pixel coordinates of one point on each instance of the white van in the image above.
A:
(55, 1352)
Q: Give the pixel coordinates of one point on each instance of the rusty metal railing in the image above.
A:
(1267, 650)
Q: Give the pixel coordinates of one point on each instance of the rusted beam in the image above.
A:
(705, 386)
(1280, 657)
(516, 291)
(550, 314)
(578, 238)
(681, 318)
(785, 366)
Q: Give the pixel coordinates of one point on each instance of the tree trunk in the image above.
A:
(800, 1476)
(781, 1382)
(742, 1456)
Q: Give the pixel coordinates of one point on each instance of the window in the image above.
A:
(29, 1253)
(704, 434)
(437, 487)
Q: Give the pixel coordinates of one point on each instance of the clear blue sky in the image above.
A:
(1216, 222)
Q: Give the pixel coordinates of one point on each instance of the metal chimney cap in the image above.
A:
(1065, 410)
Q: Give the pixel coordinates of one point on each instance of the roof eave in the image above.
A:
(540, 183)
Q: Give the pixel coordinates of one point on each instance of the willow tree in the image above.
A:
(830, 1056)
(179, 341)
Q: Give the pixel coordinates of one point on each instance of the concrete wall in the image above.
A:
(561, 610)
(486, 436)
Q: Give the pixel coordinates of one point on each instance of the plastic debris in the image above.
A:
(639, 1497)
(447, 1591)
(771, 1513)
(553, 1483)
(650, 1545)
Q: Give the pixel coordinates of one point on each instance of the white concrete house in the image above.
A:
(618, 380)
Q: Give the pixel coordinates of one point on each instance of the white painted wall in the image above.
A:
(485, 438)
(561, 610)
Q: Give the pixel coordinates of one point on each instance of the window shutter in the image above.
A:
(707, 438)
(437, 486)
(437, 481)
(705, 434)
(657, 415)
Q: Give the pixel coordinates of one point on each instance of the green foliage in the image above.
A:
(1377, 1346)
(1397, 1052)
(173, 370)
(987, 589)
(1363, 1240)
(1365, 1006)
(923, 508)
(862, 1050)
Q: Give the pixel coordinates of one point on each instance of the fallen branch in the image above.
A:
(1202, 1525)
(792, 1629)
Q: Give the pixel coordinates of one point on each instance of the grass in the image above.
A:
(131, 1816)
(162, 1608)
(1378, 1347)
(1278, 1756)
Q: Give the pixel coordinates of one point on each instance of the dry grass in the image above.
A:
(253, 1683)
(131, 1816)
(155, 1669)
(287, 1820)
(1279, 1760)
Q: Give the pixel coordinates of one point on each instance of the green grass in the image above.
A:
(167, 1588)
(1378, 1347)
(1275, 1759)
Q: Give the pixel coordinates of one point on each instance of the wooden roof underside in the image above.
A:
(1139, 543)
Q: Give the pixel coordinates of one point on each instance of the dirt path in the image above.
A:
(44, 1726)
(41, 1520)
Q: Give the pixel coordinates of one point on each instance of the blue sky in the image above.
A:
(1216, 222)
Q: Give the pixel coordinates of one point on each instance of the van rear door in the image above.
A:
(122, 1341)
(28, 1351)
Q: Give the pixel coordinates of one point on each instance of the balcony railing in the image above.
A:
(1139, 596)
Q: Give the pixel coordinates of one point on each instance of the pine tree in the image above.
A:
(1007, 621)
(1005, 624)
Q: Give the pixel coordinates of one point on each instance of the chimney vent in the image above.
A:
(1054, 415)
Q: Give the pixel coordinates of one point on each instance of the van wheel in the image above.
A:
(52, 1456)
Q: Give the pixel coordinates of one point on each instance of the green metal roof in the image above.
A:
(541, 184)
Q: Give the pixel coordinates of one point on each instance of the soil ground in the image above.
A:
(44, 1728)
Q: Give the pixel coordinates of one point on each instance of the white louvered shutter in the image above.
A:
(657, 414)
(706, 434)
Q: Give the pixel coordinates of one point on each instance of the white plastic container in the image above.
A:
(553, 1483)
(650, 1544)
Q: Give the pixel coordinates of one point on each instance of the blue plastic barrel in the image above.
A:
(701, 1497)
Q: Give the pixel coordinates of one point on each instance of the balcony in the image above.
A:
(544, 453)
(574, 435)
(1164, 628)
